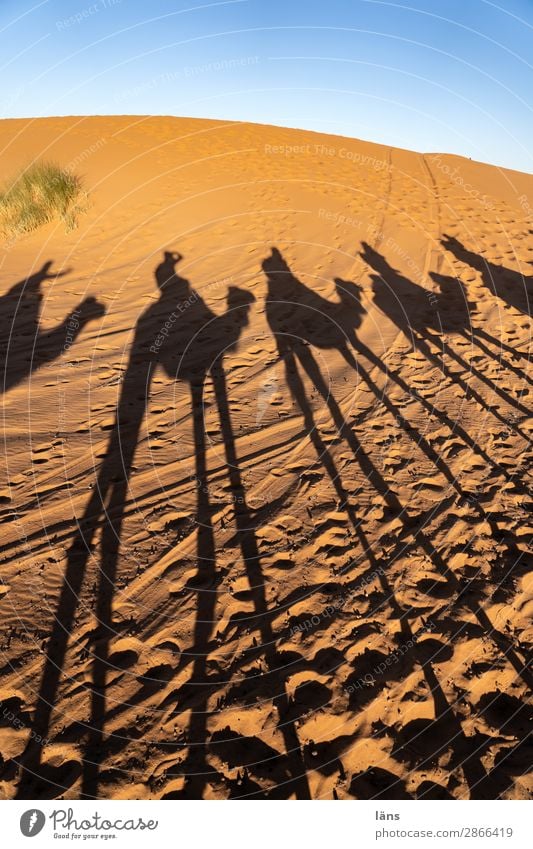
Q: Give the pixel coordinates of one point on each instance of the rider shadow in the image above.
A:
(412, 309)
(299, 320)
(348, 317)
(460, 317)
(408, 306)
(511, 287)
(181, 335)
(24, 348)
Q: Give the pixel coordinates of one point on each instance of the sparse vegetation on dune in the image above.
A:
(41, 193)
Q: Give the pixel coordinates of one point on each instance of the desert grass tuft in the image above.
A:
(41, 193)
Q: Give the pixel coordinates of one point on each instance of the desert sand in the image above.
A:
(265, 487)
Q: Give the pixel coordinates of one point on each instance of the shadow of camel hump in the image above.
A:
(463, 317)
(182, 335)
(512, 287)
(296, 310)
(24, 347)
(417, 314)
(193, 338)
(188, 342)
(287, 308)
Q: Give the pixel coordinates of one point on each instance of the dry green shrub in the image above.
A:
(41, 193)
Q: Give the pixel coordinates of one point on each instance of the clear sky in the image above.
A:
(429, 75)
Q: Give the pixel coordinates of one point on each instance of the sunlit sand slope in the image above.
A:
(265, 486)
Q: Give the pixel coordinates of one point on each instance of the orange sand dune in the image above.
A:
(265, 492)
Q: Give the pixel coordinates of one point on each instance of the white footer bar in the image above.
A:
(267, 824)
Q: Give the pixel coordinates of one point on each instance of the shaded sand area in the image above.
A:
(265, 478)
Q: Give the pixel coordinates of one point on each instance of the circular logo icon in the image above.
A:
(32, 822)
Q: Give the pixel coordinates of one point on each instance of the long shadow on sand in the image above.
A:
(407, 305)
(180, 334)
(300, 320)
(511, 287)
(24, 347)
(462, 318)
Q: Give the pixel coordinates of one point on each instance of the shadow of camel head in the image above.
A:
(239, 300)
(90, 309)
(350, 293)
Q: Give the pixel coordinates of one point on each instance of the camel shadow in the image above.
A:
(300, 321)
(24, 348)
(511, 287)
(187, 352)
(462, 313)
(412, 309)
(182, 336)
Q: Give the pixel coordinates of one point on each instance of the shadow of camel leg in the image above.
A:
(453, 426)
(110, 546)
(413, 435)
(251, 557)
(474, 771)
(507, 399)
(118, 461)
(297, 389)
(500, 641)
(117, 472)
(195, 769)
(423, 347)
(496, 357)
(31, 784)
(367, 467)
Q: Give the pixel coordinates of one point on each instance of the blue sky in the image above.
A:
(454, 77)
